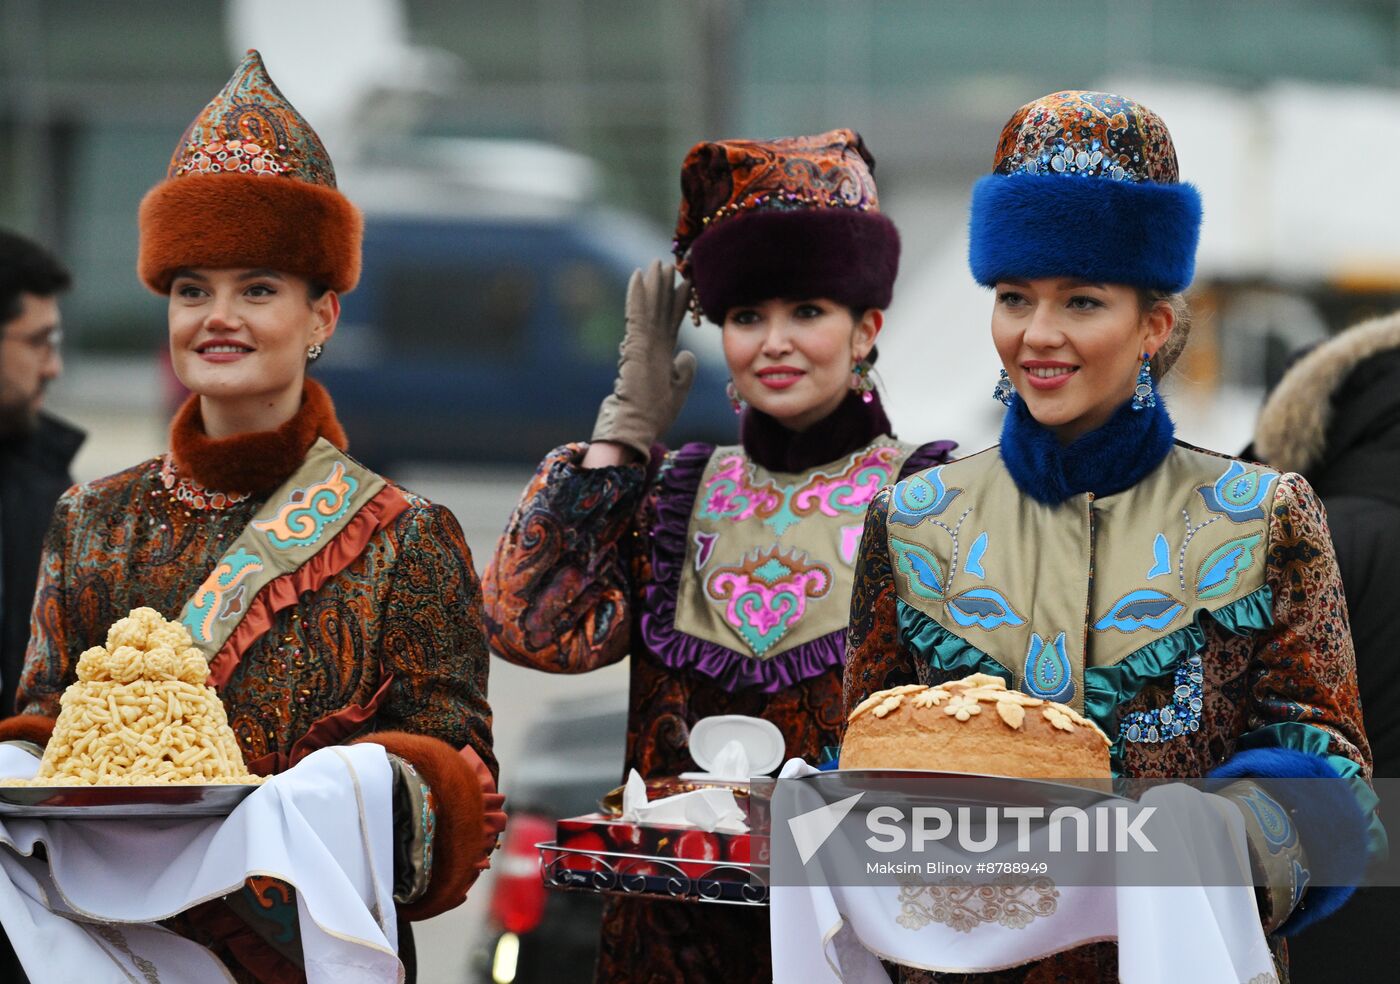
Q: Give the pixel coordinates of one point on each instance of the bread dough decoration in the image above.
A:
(974, 725)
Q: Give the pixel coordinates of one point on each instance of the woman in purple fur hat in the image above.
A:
(724, 572)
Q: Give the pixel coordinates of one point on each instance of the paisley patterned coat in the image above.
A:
(388, 647)
(404, 612)
(588, 572)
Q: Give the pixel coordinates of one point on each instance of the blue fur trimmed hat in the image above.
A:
(1085, 185)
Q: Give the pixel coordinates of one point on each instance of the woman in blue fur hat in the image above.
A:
(1187, 602)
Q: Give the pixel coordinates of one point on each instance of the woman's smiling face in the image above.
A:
(236, 334)
(1073, 349)
(793, 359)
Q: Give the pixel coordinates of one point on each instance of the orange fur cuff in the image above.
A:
(242, 220)
(27, 727)
(457, 798)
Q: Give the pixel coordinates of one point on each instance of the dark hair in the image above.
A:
(27, 268)
(1171, 349)
(315, 290)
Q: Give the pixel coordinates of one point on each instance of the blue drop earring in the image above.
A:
(1144, 395)
(1004, 393)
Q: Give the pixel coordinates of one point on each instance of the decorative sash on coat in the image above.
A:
(309, 530)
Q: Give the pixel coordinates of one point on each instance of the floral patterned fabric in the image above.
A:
(723, 178)
(564, 594)
(1301, 669)
(1091, 133)
(405, 613)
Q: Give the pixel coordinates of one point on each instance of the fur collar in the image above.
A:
(1115, 457)
(1293, 424)
(848, 428)
(257, 462)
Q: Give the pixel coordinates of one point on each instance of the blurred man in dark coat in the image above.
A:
(1335, 419)
(36, 451)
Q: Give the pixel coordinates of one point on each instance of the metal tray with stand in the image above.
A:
(652, 877)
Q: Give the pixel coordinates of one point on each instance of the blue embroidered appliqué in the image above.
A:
(973, 564)
(983, 607)
(1047, 673)
(920, 496)
(1144, 608)
(1239, 494)
(1161, 557)
(1181, 716)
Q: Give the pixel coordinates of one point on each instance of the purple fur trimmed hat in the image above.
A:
(797, 217)
(1085, 185)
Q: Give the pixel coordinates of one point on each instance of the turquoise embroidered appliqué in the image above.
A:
(917, 498)
(1220, 572)
(1239, 494)
(300, 521)
(1047, 672)
(223, 585)
(920, 567)
(767, 595)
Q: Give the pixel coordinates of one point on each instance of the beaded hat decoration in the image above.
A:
(791, 217)
(722, 178)
(250, 185)
(1085, 184)
(1090, 133)
(251, 128)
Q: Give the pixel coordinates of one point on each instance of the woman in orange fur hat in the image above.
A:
(333, 605)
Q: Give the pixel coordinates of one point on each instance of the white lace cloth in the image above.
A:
(829, 933)
(87, 912)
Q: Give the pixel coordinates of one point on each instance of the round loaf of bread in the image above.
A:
(974, 725)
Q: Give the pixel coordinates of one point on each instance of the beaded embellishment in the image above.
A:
(234, 156)
(191, 494)
(1182, 715)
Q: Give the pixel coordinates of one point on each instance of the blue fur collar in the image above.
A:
(1115, 457)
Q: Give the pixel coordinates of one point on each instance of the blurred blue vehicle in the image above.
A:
(487, 319)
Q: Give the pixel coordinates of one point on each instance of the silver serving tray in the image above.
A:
(167, 802)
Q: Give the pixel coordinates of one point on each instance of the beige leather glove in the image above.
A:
(652, 378)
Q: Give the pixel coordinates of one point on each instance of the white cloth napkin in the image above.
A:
(707, 809)
(828, 933)
(87, 912)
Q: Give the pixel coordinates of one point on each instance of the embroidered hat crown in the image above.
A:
(723, 178)
(250, 185)
(251, 128)
(1096, 134)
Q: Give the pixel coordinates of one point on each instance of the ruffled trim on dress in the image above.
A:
(678, 485)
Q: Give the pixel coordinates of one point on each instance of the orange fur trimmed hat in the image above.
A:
(250, 185)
